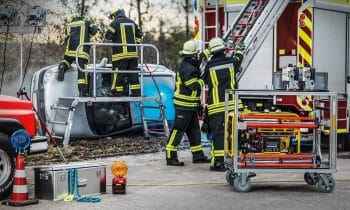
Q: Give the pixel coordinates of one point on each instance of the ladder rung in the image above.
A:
(153, 120)
(58, 122)
(157, 132)
(151, 107)
(210, 27)
(259, 1)
(60, 107)
(58, 137)
(210, 11)
(245, 24)
(238, 36)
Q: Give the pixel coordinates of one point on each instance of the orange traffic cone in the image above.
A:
(19, 196)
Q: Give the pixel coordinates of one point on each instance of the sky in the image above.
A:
(59, 10)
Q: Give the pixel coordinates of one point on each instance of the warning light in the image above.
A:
(119, 168)
(302, 18)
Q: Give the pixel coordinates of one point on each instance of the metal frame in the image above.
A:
(233, 162)
(108, 70)
(76, 100)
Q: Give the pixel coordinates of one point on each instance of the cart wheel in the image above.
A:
(230, 177)
(239, 187)
(326, 183)
(311, 178)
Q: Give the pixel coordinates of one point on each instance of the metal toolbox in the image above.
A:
(51, 182)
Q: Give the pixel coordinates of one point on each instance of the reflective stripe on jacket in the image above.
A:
(219, 75)
(125, 31)
(79, 32)
(188, 85)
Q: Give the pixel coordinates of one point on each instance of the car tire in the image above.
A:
(7, 166)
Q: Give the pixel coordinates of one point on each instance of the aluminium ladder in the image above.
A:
(62, 113)
(210, 8)
(161, 119)
(252, 25)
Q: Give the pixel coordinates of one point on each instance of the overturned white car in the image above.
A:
(101, 114)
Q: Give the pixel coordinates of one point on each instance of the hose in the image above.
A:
(154, 81)
(42, 122)
(156, 85)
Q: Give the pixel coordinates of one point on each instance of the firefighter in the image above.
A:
(186, 102)
(220, 74)
(78, 31)
(124, 31)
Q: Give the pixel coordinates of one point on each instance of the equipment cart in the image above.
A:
(271, 136)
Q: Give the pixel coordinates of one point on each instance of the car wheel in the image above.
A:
(7, 166)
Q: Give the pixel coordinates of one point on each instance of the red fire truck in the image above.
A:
(16, 115)
(297, 33)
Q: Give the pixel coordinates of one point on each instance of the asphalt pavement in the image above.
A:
(153, 185)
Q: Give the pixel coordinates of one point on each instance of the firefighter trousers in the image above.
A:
(186, 121)
(217, 130)
(83, 77)
(121, 80)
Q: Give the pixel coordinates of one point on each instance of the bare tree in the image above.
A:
(143, 7)
(185, 6)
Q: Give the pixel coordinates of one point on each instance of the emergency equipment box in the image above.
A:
(52, 182)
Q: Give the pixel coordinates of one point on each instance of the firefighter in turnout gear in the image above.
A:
(78, 31)
(124, 31)
(186, 102)
(220, 74)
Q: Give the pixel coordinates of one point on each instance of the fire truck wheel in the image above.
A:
(311, 178)
(7, 166)
(242, 187)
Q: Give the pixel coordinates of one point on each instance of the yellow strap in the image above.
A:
(69, 198)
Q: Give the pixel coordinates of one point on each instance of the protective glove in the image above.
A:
(204, 55)
(240, 47)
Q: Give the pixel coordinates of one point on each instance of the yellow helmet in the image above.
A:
(115, 11)
(72, 17)
(189, 48)
(216, 44)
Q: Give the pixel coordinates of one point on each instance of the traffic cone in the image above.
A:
(19, 196)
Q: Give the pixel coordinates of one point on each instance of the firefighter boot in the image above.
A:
(173, 161)
(83, 90)
(62, 68)
(218, 165)
(199, 157)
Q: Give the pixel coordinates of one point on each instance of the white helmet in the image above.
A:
(189, 48)
(216, 44)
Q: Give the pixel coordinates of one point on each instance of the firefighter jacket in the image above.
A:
(78, 32)
(220, 74)
(188, 85)
(125, 31)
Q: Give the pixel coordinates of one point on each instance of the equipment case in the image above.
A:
(51, 182)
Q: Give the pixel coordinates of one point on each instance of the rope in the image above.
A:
(73, 187)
